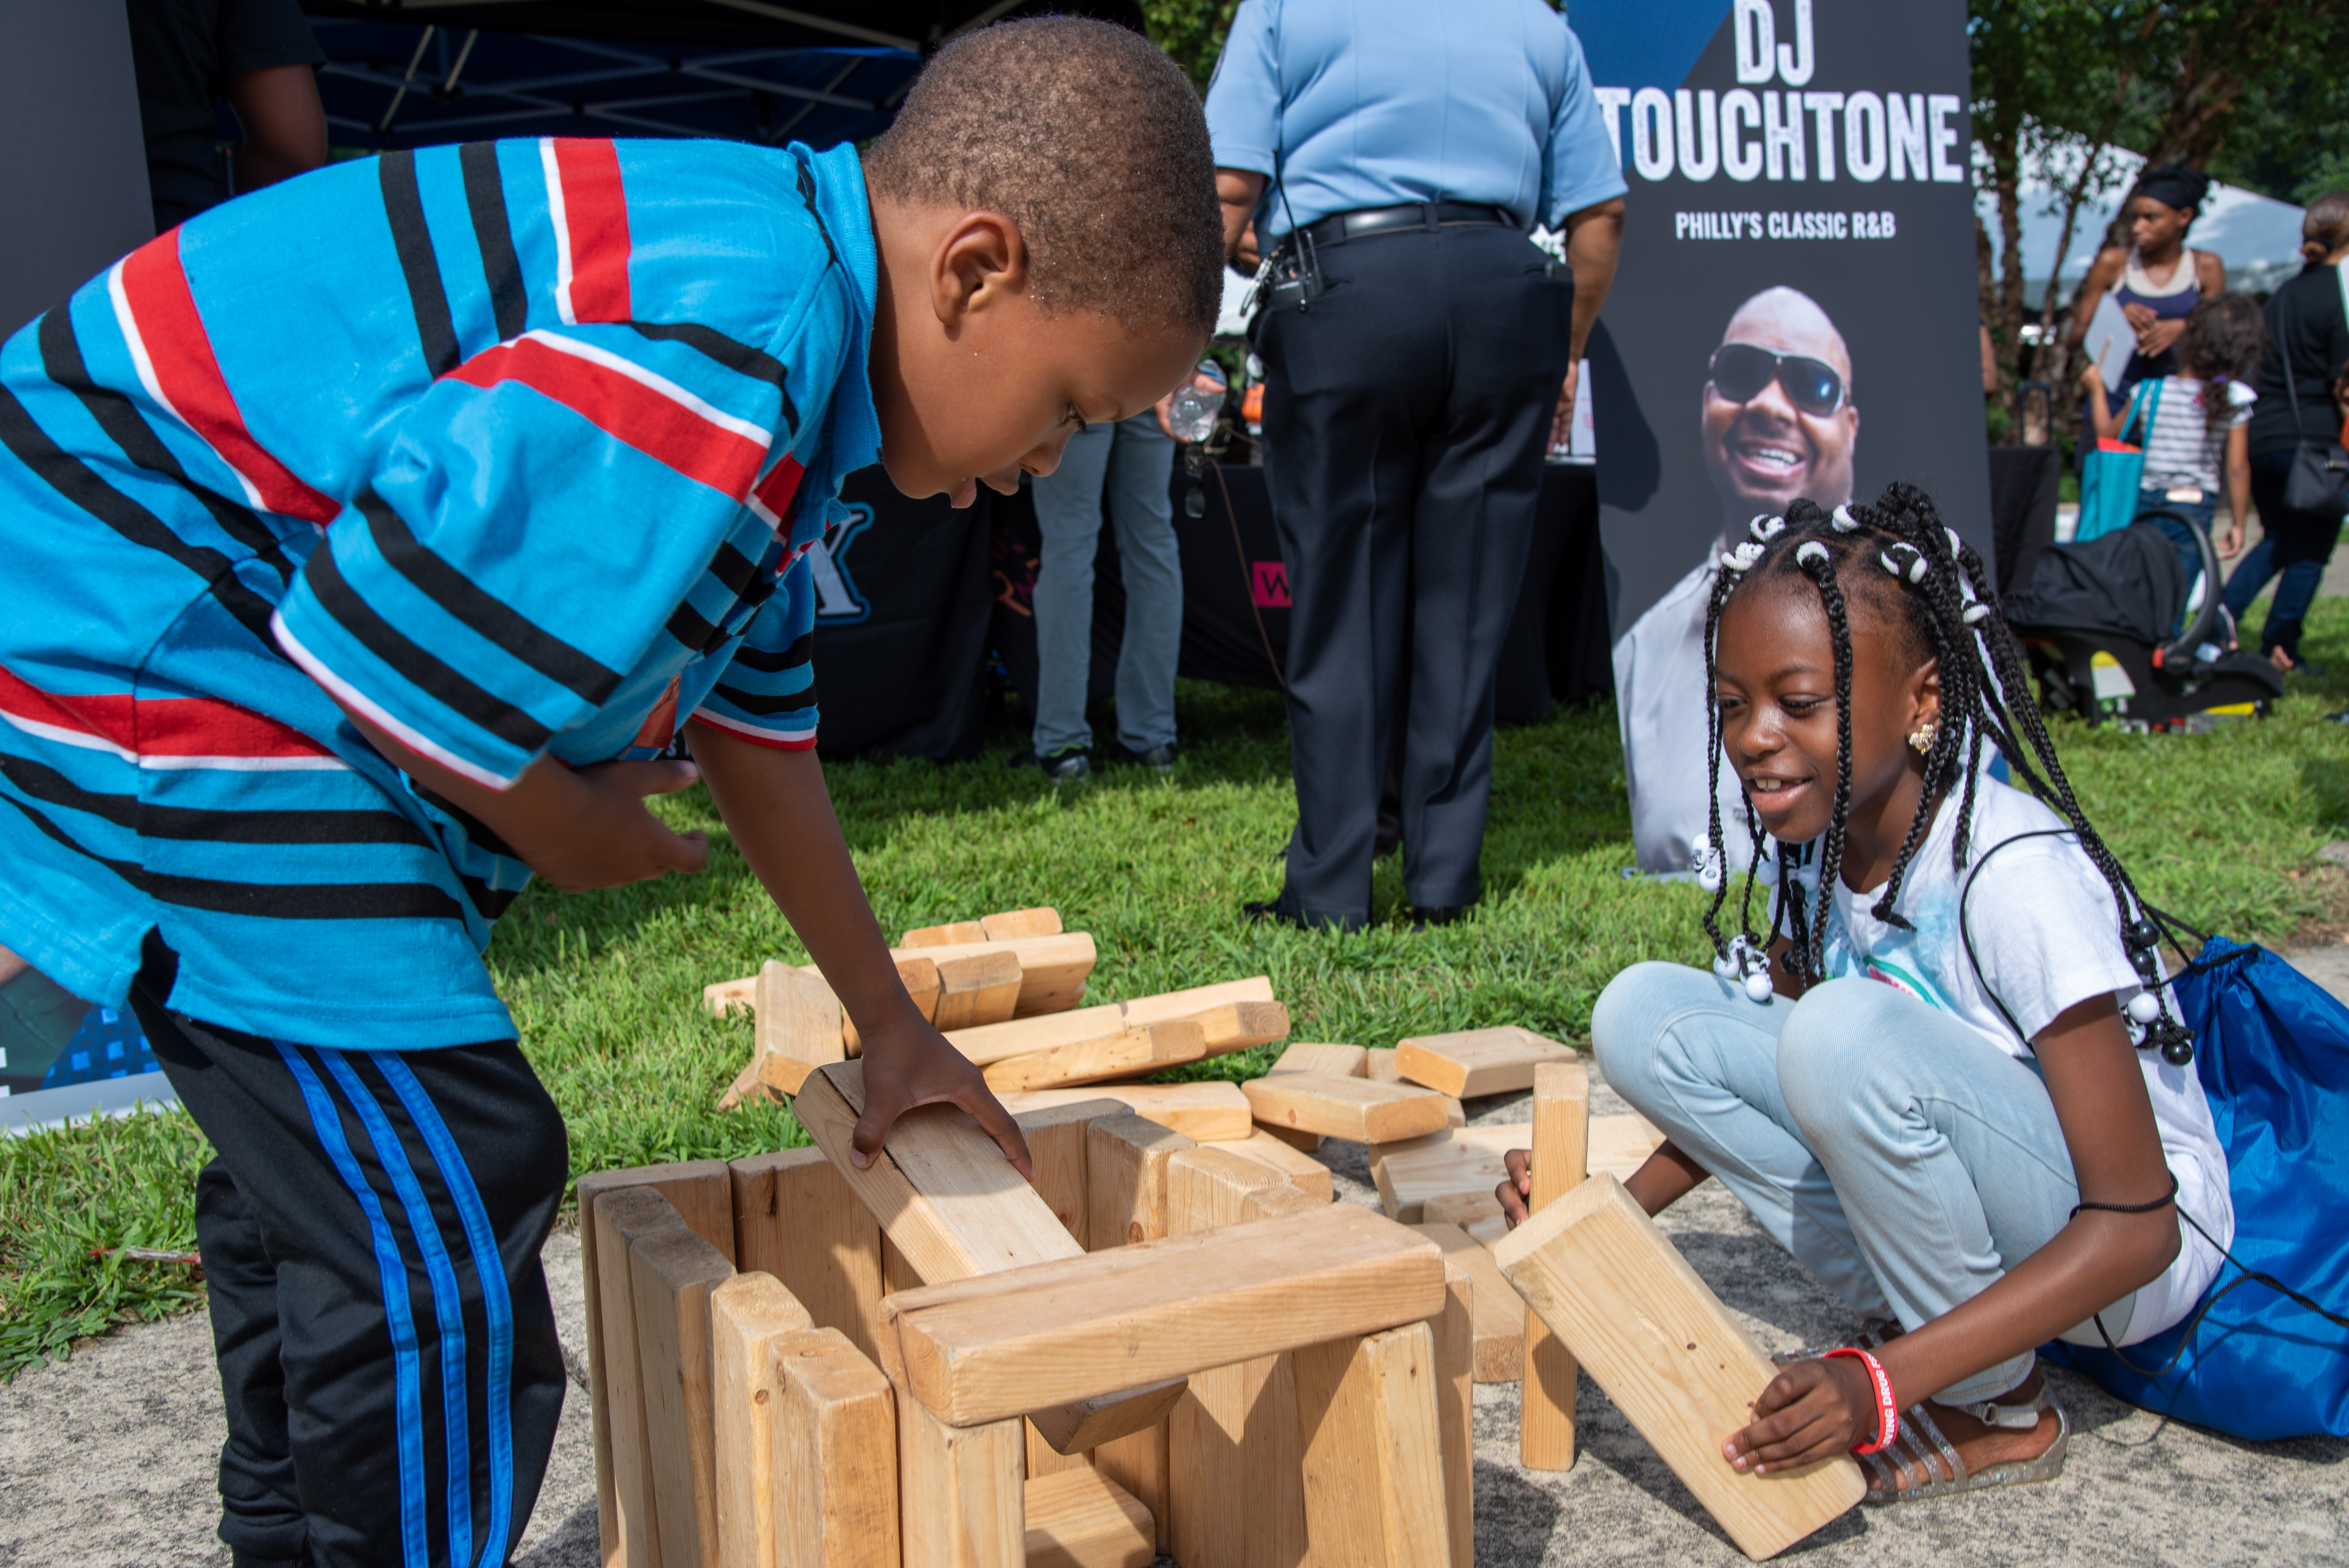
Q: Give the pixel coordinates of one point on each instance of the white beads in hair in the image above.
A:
(1957, 545)
(1766, 528)
(1743, 558)
(1842, 520)
(1812, 553)
(1915, 571)
(1976, 614)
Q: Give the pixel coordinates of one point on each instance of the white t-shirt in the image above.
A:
(2182, 450)
(1660, 700)
(2047, 934)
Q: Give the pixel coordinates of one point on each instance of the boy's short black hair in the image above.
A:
(1091, 139)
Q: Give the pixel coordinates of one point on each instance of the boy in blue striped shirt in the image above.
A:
(370, 536)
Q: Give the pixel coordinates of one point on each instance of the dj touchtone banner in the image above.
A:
(1795, 316)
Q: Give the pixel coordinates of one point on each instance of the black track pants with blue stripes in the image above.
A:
(370, 1234)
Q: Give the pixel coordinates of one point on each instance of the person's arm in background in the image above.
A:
(1581, 196)
(2102, 274)
(2239, 490)
(1242, 108)
(2101, 413)
(284, 126)
(1238, 190)
(1594, 238)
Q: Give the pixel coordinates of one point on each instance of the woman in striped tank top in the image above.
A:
(2158, 280)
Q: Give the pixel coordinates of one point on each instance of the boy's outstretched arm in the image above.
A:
(780, 812)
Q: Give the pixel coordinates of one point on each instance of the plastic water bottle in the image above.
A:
(1193, 414)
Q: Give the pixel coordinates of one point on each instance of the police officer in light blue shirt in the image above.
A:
(1418, 348)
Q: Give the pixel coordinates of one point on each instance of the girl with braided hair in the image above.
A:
(1950, 1079)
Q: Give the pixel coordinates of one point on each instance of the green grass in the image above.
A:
(2221, 829)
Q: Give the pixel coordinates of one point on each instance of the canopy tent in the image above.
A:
(412, 73)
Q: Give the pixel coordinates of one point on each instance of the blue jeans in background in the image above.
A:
(2296, 545)
(2181, 539)
(1129, 466)
(1901, 1158)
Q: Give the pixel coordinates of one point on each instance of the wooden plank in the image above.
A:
(1669, 1355)
(1052, 1334)
(611, 1219)
(1052, 969)
(1350, 1108)
(1133, 1053)
(1457, 1160)
(795, 1219)
(1241, 1025)
(673, 1273)
(1374, 1483)
(1499, 1329)
(1022, 1037)
(1143, 1464)
(1309, 1174)
(976, 988)
(700, 1190)
(1057, 1137)
(959, 1492)
(751, 1315)
(1209, 1187)
(1206, 1112)
(1144, 1011)
(1379, 1063)
(948, 935)
(1081, 1519)
(1455, 1377)
(919, 976)
(1475, 1062)
(941, 1188)
(799, 1025)
(1083, 1424)
(1125, 1180)
(1336, 1061)
(1619, 1145)
(1477, 1214)
(1011, 924)
(1303, 1142)
(748, 1086)
(834, 1452)
(1044, 1459)
(724, 996)
(1561, 1149)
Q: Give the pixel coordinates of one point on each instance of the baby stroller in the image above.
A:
(2099, 619)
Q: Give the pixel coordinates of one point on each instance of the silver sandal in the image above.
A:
(1939, 1470)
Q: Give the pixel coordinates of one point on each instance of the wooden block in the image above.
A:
(1208, 1188)
(1499, 1325)
(1023, 1036)
(1379, 1063)
(1081, 1519)
(1478, 1213)
(1057, 1139)
(611, 1221)
(1600, 1274)
(725, 996)
(1455, 1377)
(749, 1317)
(673, 1273)
(1619, 1145)
(1561, 1147)
(941, 1188)
(835, 1450)
(1309, 1174)
(748, 1086)
(1477, 1061)
(1125, 1183)
(978, 988)
(897, 1275)
(700, 1190)
(1052, 969)
(1457, 1160)
(1303, 1142)
(1013, 923)
(945, 935)
(1372, 1438)
(1043, 1459)
(919, 976)
(1241, 1025)
(1336, 1061)
(1350, 1108)
(1206, 1112)
(795, 1219)
(1143, 1464)
(959, 1502)
(1082, 1424)
(799, 1025)
(1131, 1054)
(1052, 1334)
(1144, 1011)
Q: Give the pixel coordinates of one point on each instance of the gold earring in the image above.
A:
(1924, 737)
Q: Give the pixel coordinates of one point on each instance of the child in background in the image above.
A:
(1951, 1080)
(370, 538)
(2197, 426)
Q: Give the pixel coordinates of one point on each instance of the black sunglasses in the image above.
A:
(1741, 370)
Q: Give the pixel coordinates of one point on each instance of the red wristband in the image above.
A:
(1888, 1408)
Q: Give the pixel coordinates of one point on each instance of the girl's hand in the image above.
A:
(2092, 379)
(2230, 544)
(1813, 1410)
(908, 1063)
(1513, 1192)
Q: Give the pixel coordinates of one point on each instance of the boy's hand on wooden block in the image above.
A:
(908, 1063)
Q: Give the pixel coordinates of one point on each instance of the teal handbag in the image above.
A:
(2112, 474)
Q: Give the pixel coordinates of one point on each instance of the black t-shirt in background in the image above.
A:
(184, 54)
(2305, 323)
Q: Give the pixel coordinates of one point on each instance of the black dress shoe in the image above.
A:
(1446, 914)
(1159, 759)
(1269, 909)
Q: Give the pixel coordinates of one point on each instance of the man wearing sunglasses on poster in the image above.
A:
(1778, 425)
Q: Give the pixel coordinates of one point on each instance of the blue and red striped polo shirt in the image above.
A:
(516, 448)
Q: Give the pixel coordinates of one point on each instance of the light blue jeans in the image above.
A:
(1904, 1159)
(1129, 465)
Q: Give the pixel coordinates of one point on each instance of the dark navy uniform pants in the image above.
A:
(1406, 415)
(370, 1234)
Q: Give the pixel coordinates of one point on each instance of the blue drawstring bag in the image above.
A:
(2272, 1047)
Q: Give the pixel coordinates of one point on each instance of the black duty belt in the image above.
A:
(1411, 216)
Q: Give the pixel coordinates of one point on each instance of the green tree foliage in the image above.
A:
(1192, 31)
